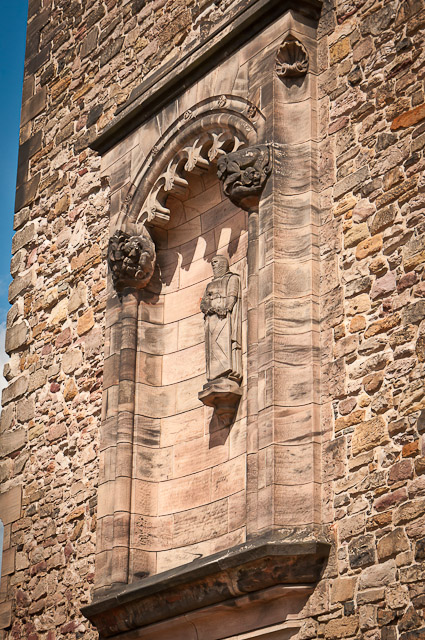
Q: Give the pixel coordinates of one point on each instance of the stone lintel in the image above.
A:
(244, 570)
(179, 74)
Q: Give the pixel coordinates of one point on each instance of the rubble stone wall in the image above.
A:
(83, 59)
(373, 318)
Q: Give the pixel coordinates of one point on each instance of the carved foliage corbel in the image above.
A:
(244, 173)
(131, 259)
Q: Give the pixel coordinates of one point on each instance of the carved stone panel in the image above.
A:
(291, 59)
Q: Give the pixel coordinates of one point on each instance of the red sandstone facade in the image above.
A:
(131, 510)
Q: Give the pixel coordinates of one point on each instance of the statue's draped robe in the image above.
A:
(223, 335)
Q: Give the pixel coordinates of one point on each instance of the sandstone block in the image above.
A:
(379, 575)
(369, 434)
(348, 421)
(359, 304)
(342, 589)
(363, 210)
(389, 500)
(413, 253)
(382, 325)
(350, 182)
(373, 381)
(382, 219)
(23, 237)
(346, 406)
(409, 118)
(369, 246)
(16, 337)
(37, 380)
(402, 470)
(21, 284)
(356, 234)
(78, 297)
(347, 203)
(70, 390)
(56, 432)
(393, 543)
(5, 614)
(357, 286)
(339, 50)
(341, 628)
(414, 312)
(12, 441)
(383, 286)
(85, 322)
(351, 526)
(396, 596)
(15, 389)
(358, 323)
(361, 551)
(71, 360)
(10, 505)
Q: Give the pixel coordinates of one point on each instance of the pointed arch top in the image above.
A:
(195, 140)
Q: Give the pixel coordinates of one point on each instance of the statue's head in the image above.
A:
(220, 266)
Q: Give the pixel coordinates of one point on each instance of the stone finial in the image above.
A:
(291, 59)
(131, 259)
(244, 174)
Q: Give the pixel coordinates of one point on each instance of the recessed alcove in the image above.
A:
(189, 470)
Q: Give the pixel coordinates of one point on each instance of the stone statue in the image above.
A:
(222, 315)
(221, 306)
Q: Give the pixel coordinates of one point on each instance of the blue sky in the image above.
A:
(12, 52)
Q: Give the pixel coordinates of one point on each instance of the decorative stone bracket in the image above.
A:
(244, 173)
(131, 259)
(223, 395)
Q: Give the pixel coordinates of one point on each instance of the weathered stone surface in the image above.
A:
(10, 505)
(378, 575)
(409, 118)
(356, 234)
(12, 441)
(339, 264)
(361, 551)
(16, 337)
(20, 285)
(341, 627)
(383, 286)
(369, 247)
(369, 434)
(85, 322)
(392, 544)
(414, 313)
(16, 389)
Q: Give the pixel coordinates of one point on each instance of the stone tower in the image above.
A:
(207, 447)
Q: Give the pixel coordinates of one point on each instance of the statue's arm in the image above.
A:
(232, 292)
(204, 304)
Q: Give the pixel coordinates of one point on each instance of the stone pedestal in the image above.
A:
(223, 395)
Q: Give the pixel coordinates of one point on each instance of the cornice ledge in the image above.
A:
(170, 80)
(296, 559)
